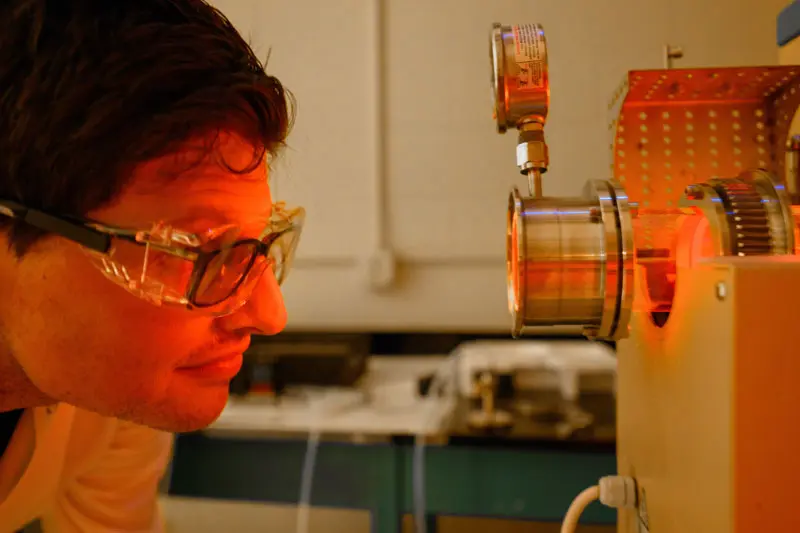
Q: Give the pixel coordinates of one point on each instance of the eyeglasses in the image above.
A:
(215, 271)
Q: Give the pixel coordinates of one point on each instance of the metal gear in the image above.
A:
(755, 215)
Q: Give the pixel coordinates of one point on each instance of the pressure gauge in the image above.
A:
(520, 81)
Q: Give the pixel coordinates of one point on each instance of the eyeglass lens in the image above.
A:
(224, 273)
(234, 268)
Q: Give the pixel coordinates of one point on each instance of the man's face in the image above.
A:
(84, 340)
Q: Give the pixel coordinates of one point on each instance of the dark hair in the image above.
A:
(92, 88)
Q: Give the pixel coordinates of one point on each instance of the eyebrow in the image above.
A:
(205, 213)
(213, 216)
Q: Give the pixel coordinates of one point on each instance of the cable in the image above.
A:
(436, 388)
(322, 403)
(418, 484)
(612, 491)
(576, 508)
(306, 480)
(439, 383)
(310, 459)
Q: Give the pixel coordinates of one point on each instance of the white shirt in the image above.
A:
(79, 472)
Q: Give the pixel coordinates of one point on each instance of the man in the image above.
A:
(139, 246)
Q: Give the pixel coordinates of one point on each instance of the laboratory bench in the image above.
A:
(541, 423)
(529, 472)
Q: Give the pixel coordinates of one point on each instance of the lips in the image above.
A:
(222, 366)
(222, 356)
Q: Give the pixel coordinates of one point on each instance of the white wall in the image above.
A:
(445, 170)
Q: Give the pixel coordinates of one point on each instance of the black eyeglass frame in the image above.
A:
(98, 238)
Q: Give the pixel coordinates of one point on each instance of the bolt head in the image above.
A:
(694, 193)
(721, 290)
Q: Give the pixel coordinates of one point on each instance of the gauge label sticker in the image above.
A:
(530, 53)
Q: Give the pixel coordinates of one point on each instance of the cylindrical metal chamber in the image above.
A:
(570, 260)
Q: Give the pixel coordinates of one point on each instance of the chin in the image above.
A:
(200, 412)
(186, 413)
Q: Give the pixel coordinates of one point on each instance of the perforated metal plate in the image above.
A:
(674, 128)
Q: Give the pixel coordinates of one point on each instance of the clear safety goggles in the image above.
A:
(214, 270)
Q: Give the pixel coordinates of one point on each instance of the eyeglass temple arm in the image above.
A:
(74, 231)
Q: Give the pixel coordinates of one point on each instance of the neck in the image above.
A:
(16, 390)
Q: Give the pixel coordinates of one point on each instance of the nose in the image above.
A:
(263, 314)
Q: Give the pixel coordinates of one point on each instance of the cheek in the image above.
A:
(79, 336)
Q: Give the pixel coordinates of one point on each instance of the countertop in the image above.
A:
(386, 406)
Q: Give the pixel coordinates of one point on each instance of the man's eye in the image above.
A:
(221, 239)
(158, 258)
(169, 268)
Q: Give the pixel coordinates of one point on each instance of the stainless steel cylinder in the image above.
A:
(570, 261)
(520, 81)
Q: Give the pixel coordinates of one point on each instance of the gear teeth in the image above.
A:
(750, 222)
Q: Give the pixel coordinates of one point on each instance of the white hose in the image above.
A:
(437, 386)
(307, 475)
(439, 383)
(581, 501)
